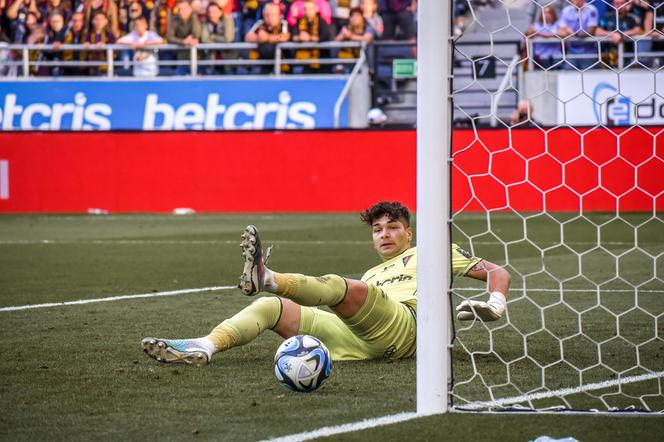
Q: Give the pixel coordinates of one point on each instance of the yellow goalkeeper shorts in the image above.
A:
(383, 328)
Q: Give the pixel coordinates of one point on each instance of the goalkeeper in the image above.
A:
(374, 317)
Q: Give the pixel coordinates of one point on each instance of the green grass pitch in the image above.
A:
(76, 372)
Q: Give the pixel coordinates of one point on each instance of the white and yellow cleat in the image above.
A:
(176, 351)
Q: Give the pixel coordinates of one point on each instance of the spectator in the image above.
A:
(296, 11)
(523, 115)
(75, 36)
(252, 10)
(218, 28)
(376, 117)
(536, 7)
(184, 29)
(63, 6)
(617, 24)
(310, 28)
(161, 15)
(56, 36)
(579, 20)
(341, 11)
(17, 15)
(546, 55)
(357, 30)
(267, 33)
(398, 19)
(130, 10)
(99, 35)
(110, 10)
(370, 11)
(145, 62)
(4, 38)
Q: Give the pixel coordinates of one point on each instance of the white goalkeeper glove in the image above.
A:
(486, 311)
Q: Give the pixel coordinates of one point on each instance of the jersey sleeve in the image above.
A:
(462, 261)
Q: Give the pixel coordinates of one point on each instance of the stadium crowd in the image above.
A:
(142, 23)
(637, 24)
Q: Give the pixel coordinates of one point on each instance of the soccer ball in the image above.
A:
(302, 363)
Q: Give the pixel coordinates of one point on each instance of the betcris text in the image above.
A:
(81, 113)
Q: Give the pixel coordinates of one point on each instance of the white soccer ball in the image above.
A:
(302, 363)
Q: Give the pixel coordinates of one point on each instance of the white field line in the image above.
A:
(562, 391)
(347, 428)
(117, 298)
(535, 289)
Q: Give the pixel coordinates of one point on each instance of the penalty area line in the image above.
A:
(562, 391)
(117, 298)
(347, 428)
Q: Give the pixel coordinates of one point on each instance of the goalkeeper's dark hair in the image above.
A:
(394, 210)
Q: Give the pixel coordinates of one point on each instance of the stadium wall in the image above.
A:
(326, 171)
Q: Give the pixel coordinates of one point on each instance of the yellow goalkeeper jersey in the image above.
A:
(397, 277)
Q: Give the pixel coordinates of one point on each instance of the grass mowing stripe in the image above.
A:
(347, 428)
(117, 298)
(564, 391)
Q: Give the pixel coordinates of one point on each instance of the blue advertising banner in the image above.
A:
(264, 103)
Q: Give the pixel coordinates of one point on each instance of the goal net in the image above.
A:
(558, 176)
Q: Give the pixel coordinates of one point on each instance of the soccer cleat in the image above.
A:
(252, 279)
(486, 311)
(176, 351)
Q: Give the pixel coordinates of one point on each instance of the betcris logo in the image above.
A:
(621, 110)
(170, 105)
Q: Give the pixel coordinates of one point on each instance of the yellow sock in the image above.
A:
(247, 324)
(311, 291)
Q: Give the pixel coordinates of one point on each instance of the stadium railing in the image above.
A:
(24, 60)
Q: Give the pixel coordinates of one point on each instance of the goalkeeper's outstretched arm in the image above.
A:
(499, 284)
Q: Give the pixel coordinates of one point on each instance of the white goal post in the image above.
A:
(433, 205)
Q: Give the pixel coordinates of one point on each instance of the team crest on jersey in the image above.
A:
(405, 259)
(465, 253)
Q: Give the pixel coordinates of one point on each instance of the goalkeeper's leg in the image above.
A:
(268, 313)
(344, 296)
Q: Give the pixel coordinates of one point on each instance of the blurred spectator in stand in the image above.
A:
(398, 19)
(269, 31)
(546, 55)
(370, 12)
(144, 59)
(162, 12)
(341, 12)
(110, 10)
(523, 115)
(4, 23)
(618, 23)
(535, 7)
(184, 29)
(252, 11)
(56, 35)
(17, 15)
(579, 20)
(99, 35)
(75, 36)
(376, 117)
(218, 28)
(130, 10)
(63, 6)
(296, 11)
(311, 28)
(357, 30)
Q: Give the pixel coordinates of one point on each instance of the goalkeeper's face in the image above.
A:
(391, 237)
